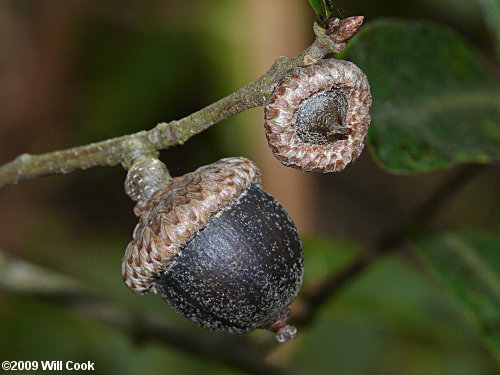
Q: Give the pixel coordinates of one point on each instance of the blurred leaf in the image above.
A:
(40, 331)
(491, 12)
(322, 8)
(18, 275)
(434, 103)
(392, 319)
(135, 80)
(469, 264)
(322, 255)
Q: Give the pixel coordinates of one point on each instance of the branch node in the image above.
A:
(137, 148)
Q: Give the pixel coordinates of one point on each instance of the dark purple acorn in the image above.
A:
(219, 250)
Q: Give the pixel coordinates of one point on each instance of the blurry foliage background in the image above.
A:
(74, 72)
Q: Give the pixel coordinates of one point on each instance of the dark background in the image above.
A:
(74, 72)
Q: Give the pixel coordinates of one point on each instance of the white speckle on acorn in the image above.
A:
(219, 250)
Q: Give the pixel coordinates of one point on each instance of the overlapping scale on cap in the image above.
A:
(176, 212)
(302, 83)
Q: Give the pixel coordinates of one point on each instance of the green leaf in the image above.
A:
(323, 255)
(392, 318)
(323, 9)
(435, 104)
(317, 6)
(469, 264)
(491, 14)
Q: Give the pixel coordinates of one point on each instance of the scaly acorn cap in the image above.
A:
(318, 116)
(176, 212)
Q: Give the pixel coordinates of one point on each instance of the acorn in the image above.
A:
(218, 249)
(318, 116)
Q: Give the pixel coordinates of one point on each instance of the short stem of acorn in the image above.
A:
(146, 173)
(145, 176)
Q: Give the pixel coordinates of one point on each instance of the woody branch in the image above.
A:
(127, 149)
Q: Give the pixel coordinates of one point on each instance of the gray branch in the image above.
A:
(116, 151)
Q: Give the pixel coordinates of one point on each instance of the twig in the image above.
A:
(20, 277)
(313, 298)
(114, 151)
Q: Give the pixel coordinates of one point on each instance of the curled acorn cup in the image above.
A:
(218, 249)
(317, 117)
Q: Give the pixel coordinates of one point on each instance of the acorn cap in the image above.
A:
(303, 94)
(176, 212)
